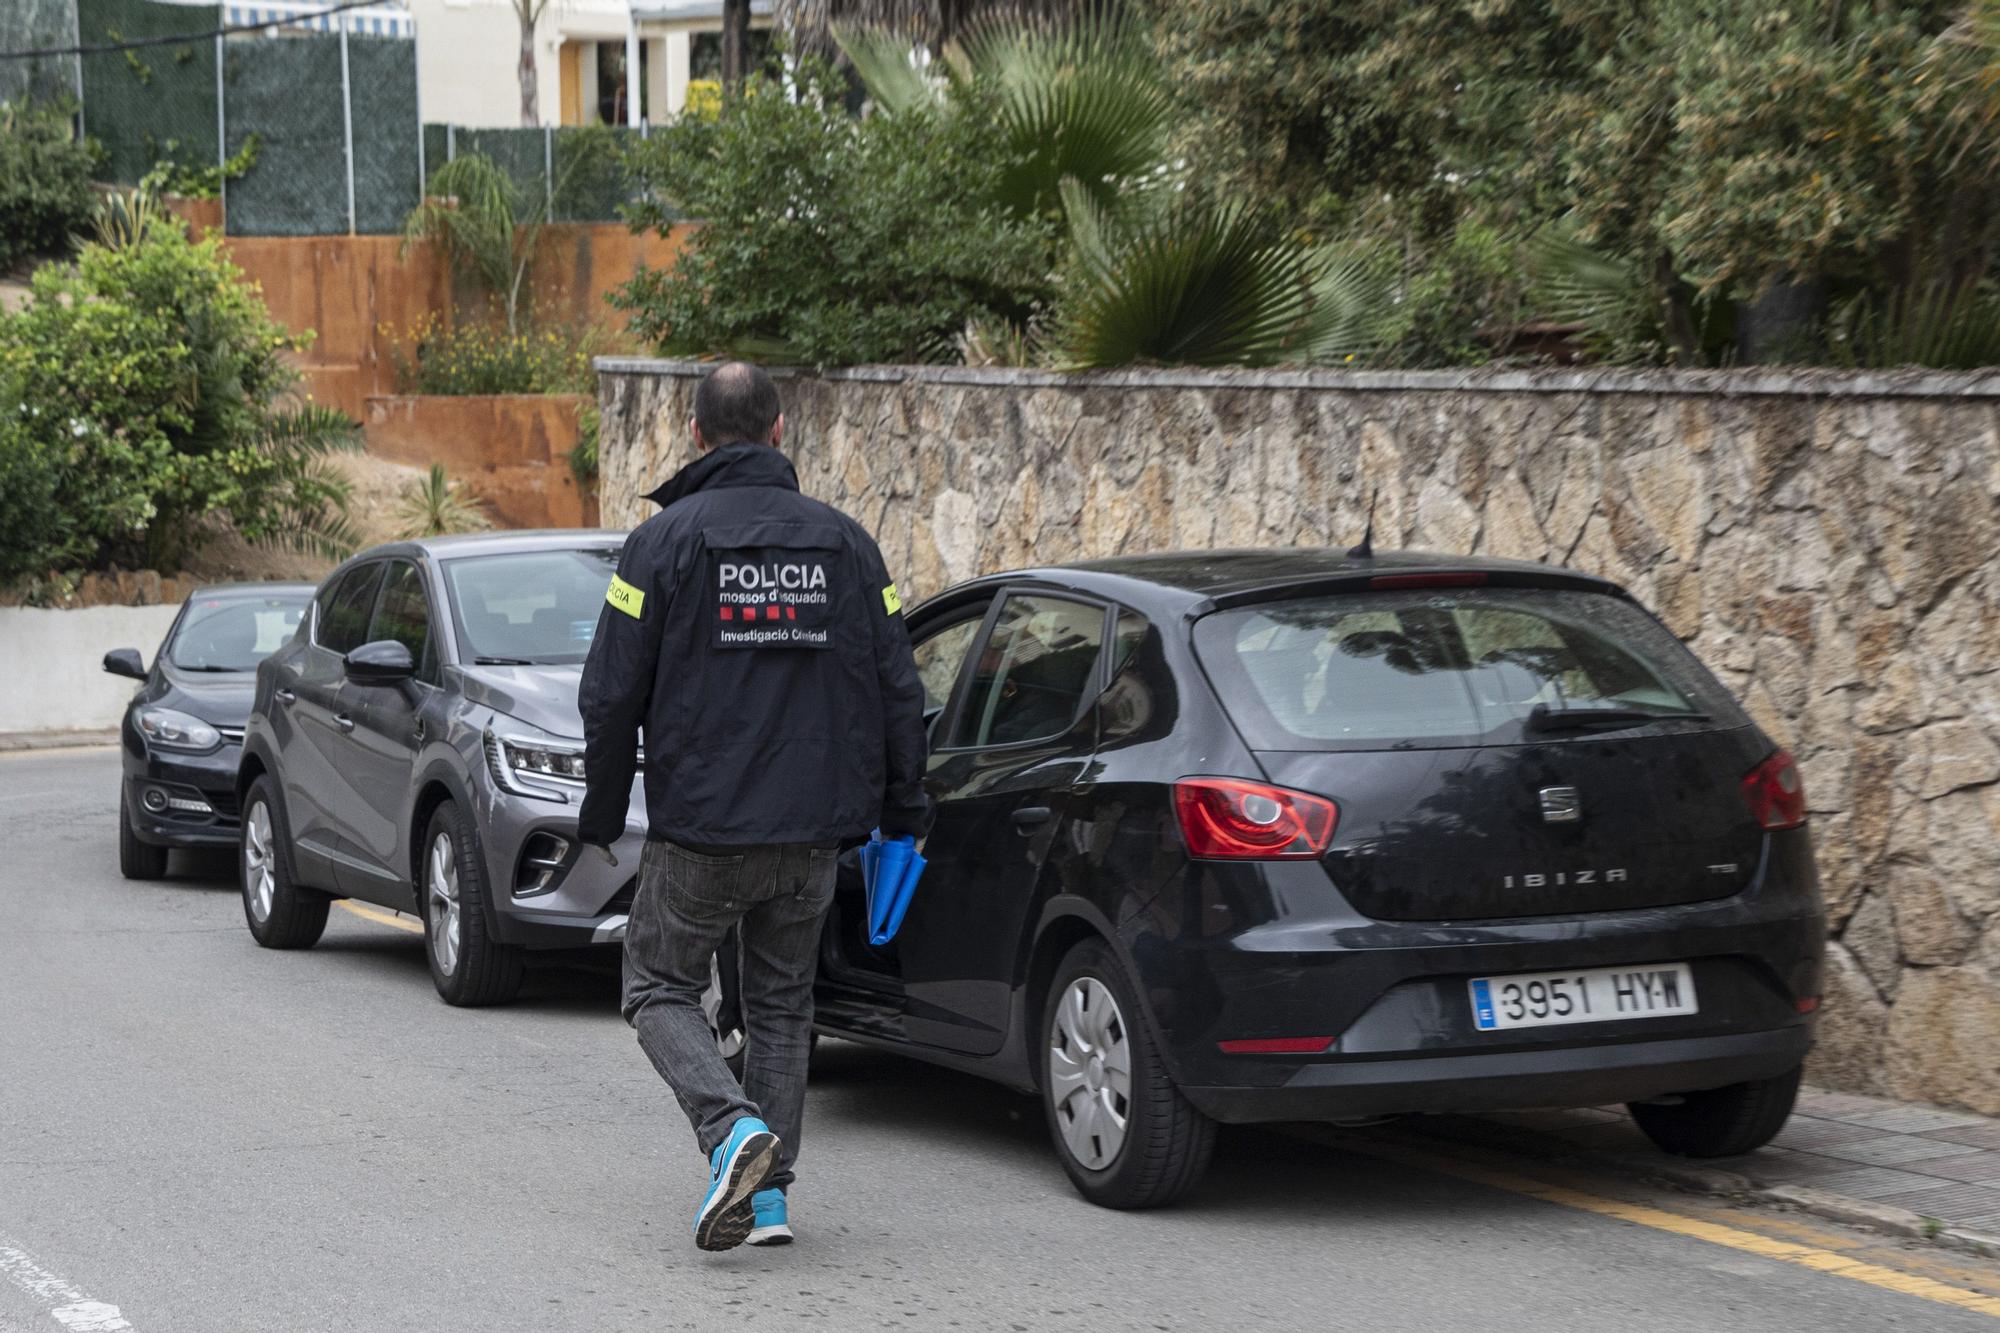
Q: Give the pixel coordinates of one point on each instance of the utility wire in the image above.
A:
(286, 21)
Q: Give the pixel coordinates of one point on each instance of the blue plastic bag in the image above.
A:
(890, 869)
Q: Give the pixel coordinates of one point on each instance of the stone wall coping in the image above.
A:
(1746, 383)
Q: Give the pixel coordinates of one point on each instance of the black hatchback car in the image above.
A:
(1296, 835)
(183, 731)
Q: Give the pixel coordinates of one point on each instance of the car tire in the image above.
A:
(469, 967)
(280, 914)
(136, 859)
(1094, 1038)
(1722, 1122)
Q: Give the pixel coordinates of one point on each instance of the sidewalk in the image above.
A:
(55, 740)
(1903, 1168)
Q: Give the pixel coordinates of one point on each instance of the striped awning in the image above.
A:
(303, 15)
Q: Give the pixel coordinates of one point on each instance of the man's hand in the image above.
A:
(603, 851)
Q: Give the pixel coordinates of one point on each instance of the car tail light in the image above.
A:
(1775, 793)
(1226, 819)
(1275, 1046)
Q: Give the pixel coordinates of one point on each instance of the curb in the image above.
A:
(1694, 1178)
(14, 741)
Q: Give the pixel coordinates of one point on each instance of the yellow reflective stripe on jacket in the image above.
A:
(625, 597)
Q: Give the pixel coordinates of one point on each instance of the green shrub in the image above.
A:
(154, 377)
(31, 471)
(828, 240)
(45, 195)
(475, 359)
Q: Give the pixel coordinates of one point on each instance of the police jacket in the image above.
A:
(757, 638)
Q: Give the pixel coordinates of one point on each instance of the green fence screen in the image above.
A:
(157, 102)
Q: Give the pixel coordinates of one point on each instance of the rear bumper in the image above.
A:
(1511, 1080)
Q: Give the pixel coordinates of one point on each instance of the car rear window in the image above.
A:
(1435, 668)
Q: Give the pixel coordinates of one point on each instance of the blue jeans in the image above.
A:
(687, 901)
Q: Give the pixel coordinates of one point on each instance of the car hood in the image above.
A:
(541, 696)
(221, 700)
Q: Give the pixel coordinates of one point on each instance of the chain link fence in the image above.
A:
(330, 122)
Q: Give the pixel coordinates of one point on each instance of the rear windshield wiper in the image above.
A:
(1545, 718)
(502, 661)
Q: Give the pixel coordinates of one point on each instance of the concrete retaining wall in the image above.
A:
(52, 662)
(1825, 542)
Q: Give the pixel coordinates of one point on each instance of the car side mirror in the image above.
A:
(384, 662)
(125, 662)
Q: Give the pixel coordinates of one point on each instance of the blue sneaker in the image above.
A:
(773, 1227)
(737, 1169)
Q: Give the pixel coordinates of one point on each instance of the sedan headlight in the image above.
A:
(173, 730)
(530, 763)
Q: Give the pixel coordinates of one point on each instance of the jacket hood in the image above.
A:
(541, 696)
(730, 466)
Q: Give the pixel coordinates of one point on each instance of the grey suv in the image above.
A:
(417, 745)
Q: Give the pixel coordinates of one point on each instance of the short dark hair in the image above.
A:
(735, 402)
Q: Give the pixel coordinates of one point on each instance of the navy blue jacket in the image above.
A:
(757, 638)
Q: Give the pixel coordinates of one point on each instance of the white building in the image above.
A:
(468, 52)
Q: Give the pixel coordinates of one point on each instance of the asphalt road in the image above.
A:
(212, 1137)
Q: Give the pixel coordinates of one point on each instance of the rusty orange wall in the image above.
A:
(357, 293)
(345, 289)
(512, 449)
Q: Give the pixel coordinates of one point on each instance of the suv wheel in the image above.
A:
(137, 860)
(1122, 1129)
(281, 915)
(468, 966)
(1722, 1122)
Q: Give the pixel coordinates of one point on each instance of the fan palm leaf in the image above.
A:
(433, 506)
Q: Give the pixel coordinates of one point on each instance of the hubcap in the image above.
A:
(259, 879)
(1090, 1073)
(441, 886)
(730, 1043)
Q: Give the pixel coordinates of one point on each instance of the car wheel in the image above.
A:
(137, 860)
(1722, 1122)
(468, 965)
(1124, 1132)
(281, 915)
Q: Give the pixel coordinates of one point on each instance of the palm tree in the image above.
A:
(485, 224)
(1082, 111)
(934, 23)
(529, 14)
(433, 506)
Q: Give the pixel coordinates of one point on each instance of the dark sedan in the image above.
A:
(1259, 836)
(183, 731)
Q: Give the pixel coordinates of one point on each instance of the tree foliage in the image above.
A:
(45, 171)
(825, 239)
(150, 378)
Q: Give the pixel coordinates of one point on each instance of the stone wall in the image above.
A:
(1824, 542)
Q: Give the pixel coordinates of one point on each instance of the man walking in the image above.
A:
(757, 638)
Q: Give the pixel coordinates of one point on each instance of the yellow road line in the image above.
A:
(380, 917)
(1767, 1247)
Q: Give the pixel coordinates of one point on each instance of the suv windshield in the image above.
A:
(531, 608)
(1441, 668)
(235, 633)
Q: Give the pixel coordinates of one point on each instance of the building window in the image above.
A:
(705, 54)
(611, 82)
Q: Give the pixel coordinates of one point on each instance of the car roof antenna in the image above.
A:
(1366, 550)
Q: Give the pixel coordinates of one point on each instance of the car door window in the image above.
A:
(1034, 672)
(939, 657)
(343, 622)
(403, 614)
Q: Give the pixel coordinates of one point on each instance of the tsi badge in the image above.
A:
(1561, 805)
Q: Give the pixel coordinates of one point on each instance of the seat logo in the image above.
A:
(1561, 805)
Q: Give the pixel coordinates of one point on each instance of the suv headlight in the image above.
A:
(528, 762)
(173, 730)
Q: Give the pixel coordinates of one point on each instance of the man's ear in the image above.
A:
(701, 445)
(778, 431)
